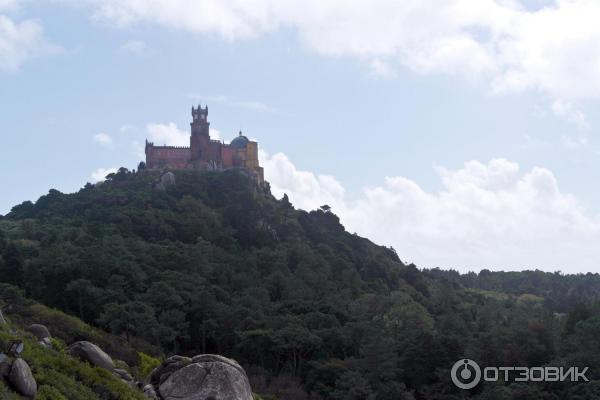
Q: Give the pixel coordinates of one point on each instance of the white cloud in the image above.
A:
(138, 150)
(307, 190)
(103, 139)
(8, 4)
(20, 41)
(486, 216)
(251, 105)
(574, 142)
(214, 134)
(134, 47)
(100, 174)
(382, 69)
(168, 134)
(553, 48)
(570, 112)
(127, 128)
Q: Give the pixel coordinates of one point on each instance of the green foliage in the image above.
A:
(60, 376)
(216, 264)
(147, 364)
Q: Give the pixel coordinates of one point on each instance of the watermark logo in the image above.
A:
(466, 374)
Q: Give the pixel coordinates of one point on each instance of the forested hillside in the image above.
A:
(216, 264)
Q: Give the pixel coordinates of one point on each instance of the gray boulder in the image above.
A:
(207, 376)
(124, 375)
(5, 365)
(164, 370)
(22, 379)
(45, 342)
(150, 392)
(166, 180)
(91, 353)
(39, 331)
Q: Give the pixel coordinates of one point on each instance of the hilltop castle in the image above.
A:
(205, 153)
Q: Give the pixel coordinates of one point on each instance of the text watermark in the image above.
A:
(466, 374)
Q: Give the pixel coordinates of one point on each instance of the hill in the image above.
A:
(213, 263)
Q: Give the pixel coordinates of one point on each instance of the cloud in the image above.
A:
(100, 174)
(8, 4)
(570, 112)
(307, 190)
(574, 142)
(552, 48)
(134, 47)
(170, 135)
(20, 41)
(485, 216)
(127, 128)
(167, 134)
(138, 149)
(103, 139)
(251, 105)
(214, 134)
(382, 69)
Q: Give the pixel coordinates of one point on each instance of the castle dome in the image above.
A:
(239, 142)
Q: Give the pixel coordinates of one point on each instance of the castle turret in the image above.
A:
(200, 138)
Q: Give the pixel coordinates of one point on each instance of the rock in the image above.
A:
(4, 365)
(15, 348)
(166, 180)
(207, 377)
(45, 342)
(22, 379)
(124, 375)
(91, 353)
(2, 319)
(164, 370)
(150, 392)
(39, 331)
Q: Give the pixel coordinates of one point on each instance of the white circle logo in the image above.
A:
(465, 374)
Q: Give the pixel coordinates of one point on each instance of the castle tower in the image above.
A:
(200, 138)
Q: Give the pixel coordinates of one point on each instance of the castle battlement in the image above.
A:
(205, 153)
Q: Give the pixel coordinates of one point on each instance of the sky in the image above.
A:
(461, 132)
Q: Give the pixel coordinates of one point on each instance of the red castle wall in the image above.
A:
(174, 157)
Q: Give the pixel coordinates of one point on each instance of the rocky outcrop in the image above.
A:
(150, 392)
(5, 365)
(164, 370)
(123, 375)
(166, 180)
(22, 379)
(39, 331)
(203, 377)
(91, 353)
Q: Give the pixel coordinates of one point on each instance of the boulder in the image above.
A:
(22, 379)
(91, 353)
(39, 331)
(4, 365)
(164, 370)
(207, 376)
(166, 180)
(124, 375)
(150, 392)
(46, 342)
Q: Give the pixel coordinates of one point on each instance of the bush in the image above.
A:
(147, 364)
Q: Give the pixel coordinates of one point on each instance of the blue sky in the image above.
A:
(463, 135)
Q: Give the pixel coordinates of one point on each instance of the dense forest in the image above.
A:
(216, 264)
